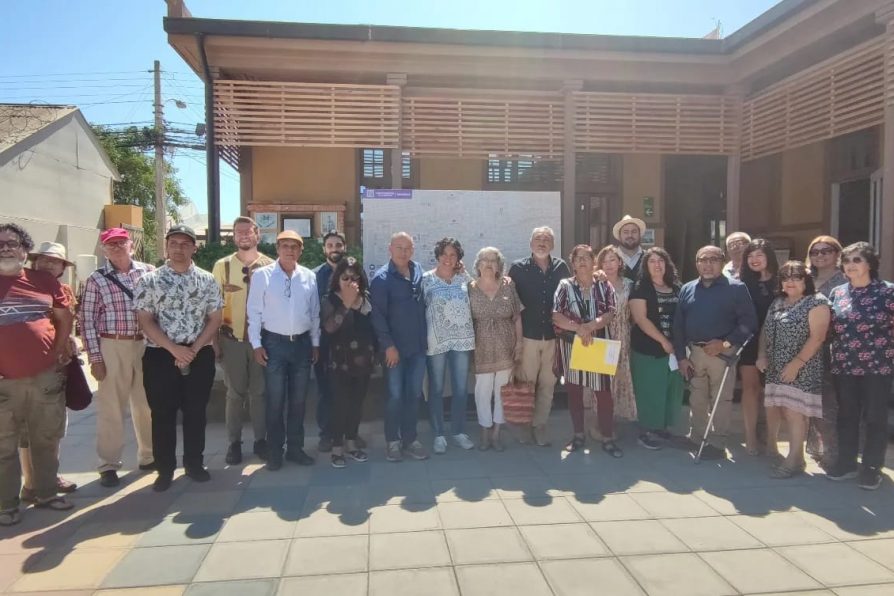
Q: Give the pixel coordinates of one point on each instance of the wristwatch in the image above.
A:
(727, 345)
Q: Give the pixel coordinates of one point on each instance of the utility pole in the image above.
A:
(160, 218)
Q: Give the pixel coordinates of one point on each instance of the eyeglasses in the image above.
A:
(711, 260)
(13, 244)
(855, 260)
(815, 252)
(793, 277)
(288, 289)
(245, 276)
(354, 278)
(116, 243)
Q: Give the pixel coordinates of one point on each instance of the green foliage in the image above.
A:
(130, 151)
(312, 255)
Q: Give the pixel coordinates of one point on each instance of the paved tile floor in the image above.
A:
(527, 521)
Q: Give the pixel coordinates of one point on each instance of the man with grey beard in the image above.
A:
(35, 324)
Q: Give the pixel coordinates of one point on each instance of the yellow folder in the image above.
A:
(601, 356)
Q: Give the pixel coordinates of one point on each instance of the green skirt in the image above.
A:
(658, 389)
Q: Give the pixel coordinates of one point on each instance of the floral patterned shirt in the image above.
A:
(863, 329)
(447, 313)
(180, 302)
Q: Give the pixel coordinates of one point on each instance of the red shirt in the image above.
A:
(26, 327)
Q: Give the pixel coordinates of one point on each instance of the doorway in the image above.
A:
(593, 220)
(856, 210)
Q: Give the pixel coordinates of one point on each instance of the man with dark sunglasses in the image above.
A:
(243, 376)
(284, 329)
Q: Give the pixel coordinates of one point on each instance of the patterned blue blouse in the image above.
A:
(447, 313)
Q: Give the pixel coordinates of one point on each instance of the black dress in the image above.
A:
(762, 295)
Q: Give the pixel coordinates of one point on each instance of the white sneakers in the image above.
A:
(463, 440)
(440, 445)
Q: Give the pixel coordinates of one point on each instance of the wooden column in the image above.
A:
(885, 16)
(396, 155)
(569, 184)
(734, 167)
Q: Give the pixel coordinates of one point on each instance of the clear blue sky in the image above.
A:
(97, 54)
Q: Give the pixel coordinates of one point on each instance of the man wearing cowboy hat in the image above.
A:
(114, 343)
(35, 325)
(629, 232)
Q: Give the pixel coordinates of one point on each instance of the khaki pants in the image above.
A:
(122, 389)
(244, 378)
(703, 387)
(537, 367)
(35, 405)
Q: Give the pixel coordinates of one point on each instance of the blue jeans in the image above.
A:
(458, 362)
(286, 375)
(404, 390)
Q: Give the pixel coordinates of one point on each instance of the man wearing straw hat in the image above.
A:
(35, 325)
(629, 233)
(114, 343)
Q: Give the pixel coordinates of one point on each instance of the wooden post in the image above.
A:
(569, 184)
(885, 16)
(734, 167)
(396, 154)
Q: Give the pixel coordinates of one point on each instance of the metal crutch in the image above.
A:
(730, 360)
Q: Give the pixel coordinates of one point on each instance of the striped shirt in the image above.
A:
(105, 308)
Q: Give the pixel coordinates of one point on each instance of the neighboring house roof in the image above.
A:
(24, 125)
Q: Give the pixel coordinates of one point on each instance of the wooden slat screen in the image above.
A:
(833, 98)
(653, 122)
(255, 113)
(483, 127)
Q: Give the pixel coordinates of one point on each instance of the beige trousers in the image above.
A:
(537, 367)
(703, 390)
(122, 389)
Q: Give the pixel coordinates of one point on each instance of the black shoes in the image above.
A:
(147, 467)
(109, 478)
(274, 463)
(261, 450)
(163, 482)
(198, 474)
(234, 453)
(299, 457)
(325, 445)
(870, 478)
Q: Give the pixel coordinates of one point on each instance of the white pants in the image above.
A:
(487, 388)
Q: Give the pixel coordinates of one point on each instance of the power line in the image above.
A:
(68, 74)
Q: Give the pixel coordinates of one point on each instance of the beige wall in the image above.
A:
(803, 185)
(304, 175)
(642, 178)
(451, 174)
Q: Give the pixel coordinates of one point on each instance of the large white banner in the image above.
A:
(476, 218)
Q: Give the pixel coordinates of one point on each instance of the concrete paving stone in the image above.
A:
(288, 475)
(354, 584)
(876, 590)
(11, 568)
(272, 499)
(151, 591)
(851, 524)
(585, 577)
(781, 529)
(548, 510)
(157, 566)
(254, 587)
(221, 503)
(243, 560)
(452, 469)
(671, 505)
(836, 564)
(330, 555)
(260, 525)
(711, 533)
(386, 472)
(336, 497)
(400, 493)
(408, 550)
(638, 537)
(109, 534)
(438, 581)
(881, 551)
(800, 593)
(388, 519)
(475, 514)
(467, 489)
(563, 541)
(323, 522)
(674, 574)
(505, 579)
(614, 507)
(182, 529)
(487, 545)
(760, 570)
(528, 487)
(325, 475)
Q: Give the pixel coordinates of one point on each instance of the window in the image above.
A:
(523, 173)
(374, 163)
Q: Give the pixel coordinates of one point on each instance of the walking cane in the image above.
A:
(730, 360)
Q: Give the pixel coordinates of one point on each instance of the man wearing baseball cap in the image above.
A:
(179, 309)
(284, 329)
(629, 233)
(114, 343)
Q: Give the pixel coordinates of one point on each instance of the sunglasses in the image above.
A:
(855, 260)
(815, 252)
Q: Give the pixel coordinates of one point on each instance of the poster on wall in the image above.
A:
(328, 221)
(267, 220)
(297, 224)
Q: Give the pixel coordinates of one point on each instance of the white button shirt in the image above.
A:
(284, 304)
